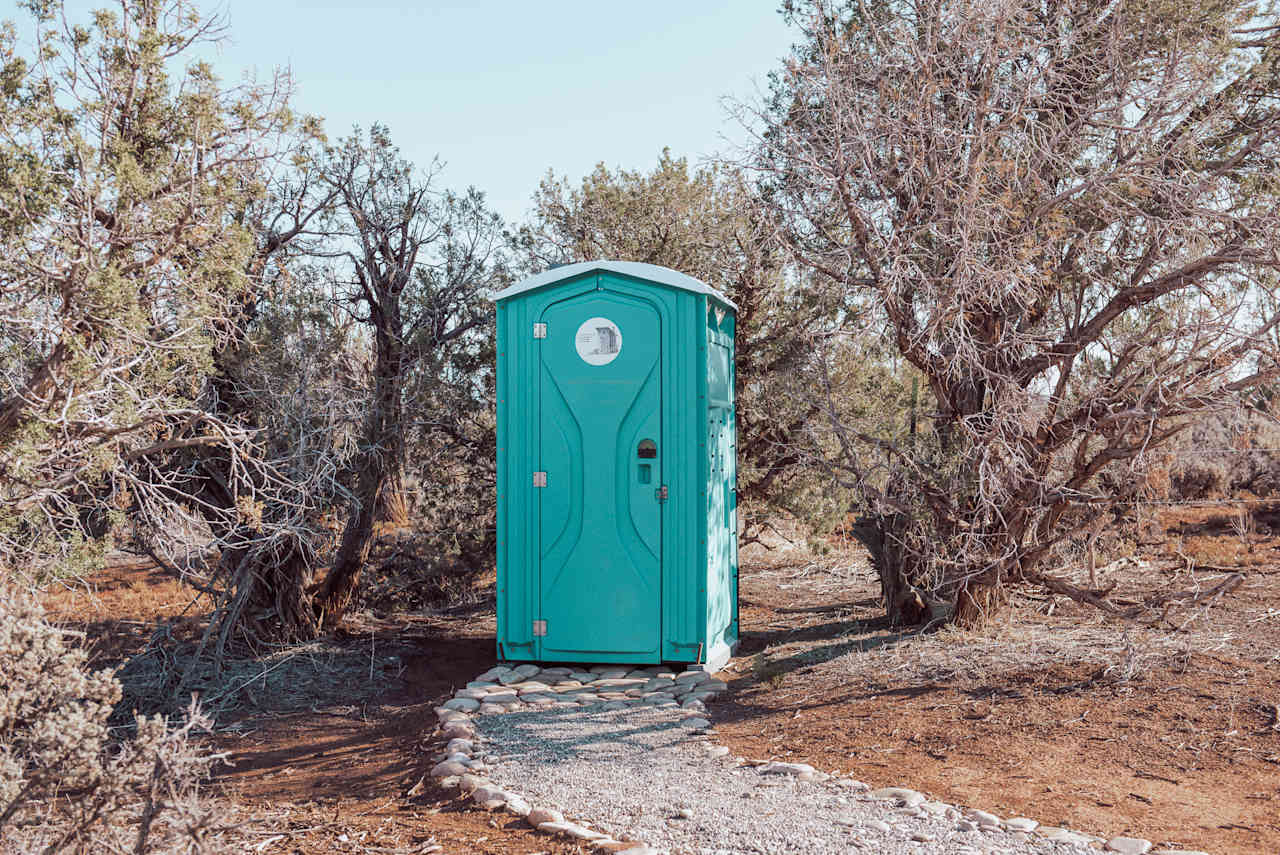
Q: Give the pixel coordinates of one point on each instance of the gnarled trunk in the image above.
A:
(381, 459)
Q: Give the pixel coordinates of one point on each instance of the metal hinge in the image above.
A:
(539, 479)
(539, 330)
(539, 629)
(661, 493)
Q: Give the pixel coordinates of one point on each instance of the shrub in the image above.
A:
(65, 783)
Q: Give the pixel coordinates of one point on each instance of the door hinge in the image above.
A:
(661, 493)
(539, 479)
(539, 629)
(539, 330)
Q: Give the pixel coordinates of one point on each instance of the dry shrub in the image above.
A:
(1199, 479)
(65, 782)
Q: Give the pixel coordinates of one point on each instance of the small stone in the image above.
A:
(501, 698)
(695, 723)
(491, 709)
(575, 831)
(458, 730)
(983, 818)
(935, 808)
(921, 837)
(616, 705)
(1129, 845)
(482, 685)
(492, 675)
(1071, 838)
(684, 813)
(489, 798)
(696, 706)
(460, 746)
(538, 816)
(909, 798)
(846, 819)
(529, 687)
(517, 805)
(469, 783)
(717, 751)
(477, 694)
(693, 678)
(879, 825)
(527, 671)
(779, 768)
(853, 784)
(657, 684)
(463, 704)
(446, 715)
(448, 767)
(582, 676)
(1021, 823)
(458, 757)
(966, 825)
(510, 677)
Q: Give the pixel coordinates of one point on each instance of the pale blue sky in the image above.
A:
(504, 90)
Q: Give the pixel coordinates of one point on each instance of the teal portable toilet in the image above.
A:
(617, 507)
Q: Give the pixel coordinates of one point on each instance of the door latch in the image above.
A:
(539, 629)
(539, 479)
(539, 330)
(661, 493)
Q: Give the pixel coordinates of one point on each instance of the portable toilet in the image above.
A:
(617, 501)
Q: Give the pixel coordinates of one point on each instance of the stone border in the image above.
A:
(504, 689)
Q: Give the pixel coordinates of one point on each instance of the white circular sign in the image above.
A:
(598, 341)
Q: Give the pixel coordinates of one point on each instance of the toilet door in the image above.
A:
(600, 502)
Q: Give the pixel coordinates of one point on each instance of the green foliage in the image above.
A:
(707, 223)
(121, 176)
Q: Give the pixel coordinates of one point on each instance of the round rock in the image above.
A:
(909, 798)
(540, 815)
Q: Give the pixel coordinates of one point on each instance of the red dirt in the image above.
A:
(1183, 753)
(348, 778)
(1186, 754)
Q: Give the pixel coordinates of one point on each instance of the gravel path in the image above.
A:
(641, 773)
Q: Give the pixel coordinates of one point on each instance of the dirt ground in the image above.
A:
(1053, 712)
(348, 772)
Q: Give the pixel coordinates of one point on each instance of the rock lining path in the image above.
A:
(630, 754)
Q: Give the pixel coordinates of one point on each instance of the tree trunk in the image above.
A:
(978, 599)
(339, 585)
(393, 502)
(382, 457)
(905, 602)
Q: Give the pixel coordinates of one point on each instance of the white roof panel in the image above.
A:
(640, 270)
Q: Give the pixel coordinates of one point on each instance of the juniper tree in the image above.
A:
(707, 223)
(124, 165)
(1065, 217)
